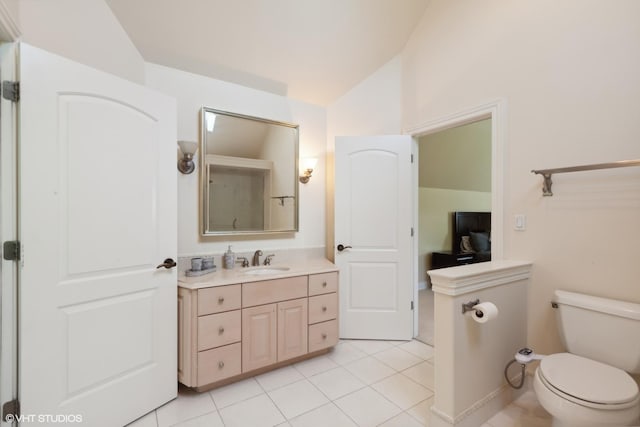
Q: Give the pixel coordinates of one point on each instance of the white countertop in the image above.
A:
(223, 277)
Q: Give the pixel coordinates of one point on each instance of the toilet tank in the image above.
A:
(601, 329)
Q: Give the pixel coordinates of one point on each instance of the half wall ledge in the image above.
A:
(464, 279)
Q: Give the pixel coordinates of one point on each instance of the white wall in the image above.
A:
(85, 31)
(471, 356)
(192, 93)
(569, 73)
(371, 108)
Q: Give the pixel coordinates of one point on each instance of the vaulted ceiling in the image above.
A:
(311, 50)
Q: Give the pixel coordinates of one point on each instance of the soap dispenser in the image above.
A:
(229, 259)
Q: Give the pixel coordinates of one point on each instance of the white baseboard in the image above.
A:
(478, 413)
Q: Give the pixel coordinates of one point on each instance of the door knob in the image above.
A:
(342, 247)
(168, 263)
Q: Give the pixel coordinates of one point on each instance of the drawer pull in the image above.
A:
(220, 330)
(324, 308)
(324, 284)
(220, 300)
(324, 336)
(220, 365)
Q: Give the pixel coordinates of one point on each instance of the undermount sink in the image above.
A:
(258, 271)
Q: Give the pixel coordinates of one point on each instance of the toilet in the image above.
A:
(590, 385)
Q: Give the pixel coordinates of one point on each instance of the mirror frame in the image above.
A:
(204, 193)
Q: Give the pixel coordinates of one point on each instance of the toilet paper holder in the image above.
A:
(469, 305)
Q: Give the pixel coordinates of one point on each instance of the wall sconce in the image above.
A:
(186, 164)
(306, 168)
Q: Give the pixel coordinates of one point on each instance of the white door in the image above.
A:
(98, 213)
(373, 222)
(8, 231)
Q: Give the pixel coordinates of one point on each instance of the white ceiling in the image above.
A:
(312, 50)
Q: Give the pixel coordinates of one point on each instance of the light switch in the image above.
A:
(520, 222)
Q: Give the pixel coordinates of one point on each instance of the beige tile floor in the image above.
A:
(359, 383)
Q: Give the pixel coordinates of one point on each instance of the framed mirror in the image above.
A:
(249, 174)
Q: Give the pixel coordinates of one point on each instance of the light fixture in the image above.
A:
(306, 168)
(186, 164)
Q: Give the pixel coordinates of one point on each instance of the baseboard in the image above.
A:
(485, 408)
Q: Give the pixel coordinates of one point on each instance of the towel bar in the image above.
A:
(546, 173)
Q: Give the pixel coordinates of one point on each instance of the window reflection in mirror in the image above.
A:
(248, 174)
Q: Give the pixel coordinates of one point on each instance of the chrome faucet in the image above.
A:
(267, 260)
(256, 257)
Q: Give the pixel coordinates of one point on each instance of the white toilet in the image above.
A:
(588, 386)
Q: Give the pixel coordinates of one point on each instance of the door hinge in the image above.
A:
(11, 411)
(11, 250)
(411, 231)
(411, 305)
(11, 90)
(412, 158)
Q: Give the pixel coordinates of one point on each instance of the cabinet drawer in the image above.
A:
(323, 335)
(219, 329)
(323, 283)
(219, 363)
(323, 308)
(218, 299)
(268, 291)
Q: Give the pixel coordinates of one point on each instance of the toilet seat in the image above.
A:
(587, 382)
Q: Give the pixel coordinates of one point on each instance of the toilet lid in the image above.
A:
(588, 380)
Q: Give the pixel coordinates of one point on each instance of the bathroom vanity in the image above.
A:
(238, 323)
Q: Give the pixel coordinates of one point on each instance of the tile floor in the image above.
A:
(359, 383)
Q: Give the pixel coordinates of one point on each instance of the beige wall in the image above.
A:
(458, 158)
(454, 175)
(569, 74)
(373, 107)
(434, 220)
(192, 92)
(85, 31)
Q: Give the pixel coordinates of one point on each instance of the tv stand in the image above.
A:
(444, 259)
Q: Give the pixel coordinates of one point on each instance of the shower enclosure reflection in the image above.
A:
(249, 174)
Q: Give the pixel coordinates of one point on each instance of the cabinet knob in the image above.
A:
(324, 284)
(220, 300)
(324, 308)
(220, 330)
(220, 364)
(324, 336)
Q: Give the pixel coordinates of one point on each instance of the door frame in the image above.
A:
(496, 110)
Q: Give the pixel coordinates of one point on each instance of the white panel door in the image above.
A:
(98, 214)
(8, 231)
(373, 220)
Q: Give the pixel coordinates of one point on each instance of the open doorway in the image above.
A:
(454, 175)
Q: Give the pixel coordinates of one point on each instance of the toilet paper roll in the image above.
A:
(484, 312)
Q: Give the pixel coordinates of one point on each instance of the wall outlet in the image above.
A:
(520, 222)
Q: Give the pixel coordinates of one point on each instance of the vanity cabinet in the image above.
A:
(234, 331)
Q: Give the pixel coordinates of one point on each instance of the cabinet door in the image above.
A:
(259, 337)
(292, 328)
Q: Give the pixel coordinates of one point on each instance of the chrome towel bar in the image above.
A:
(546, 173)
